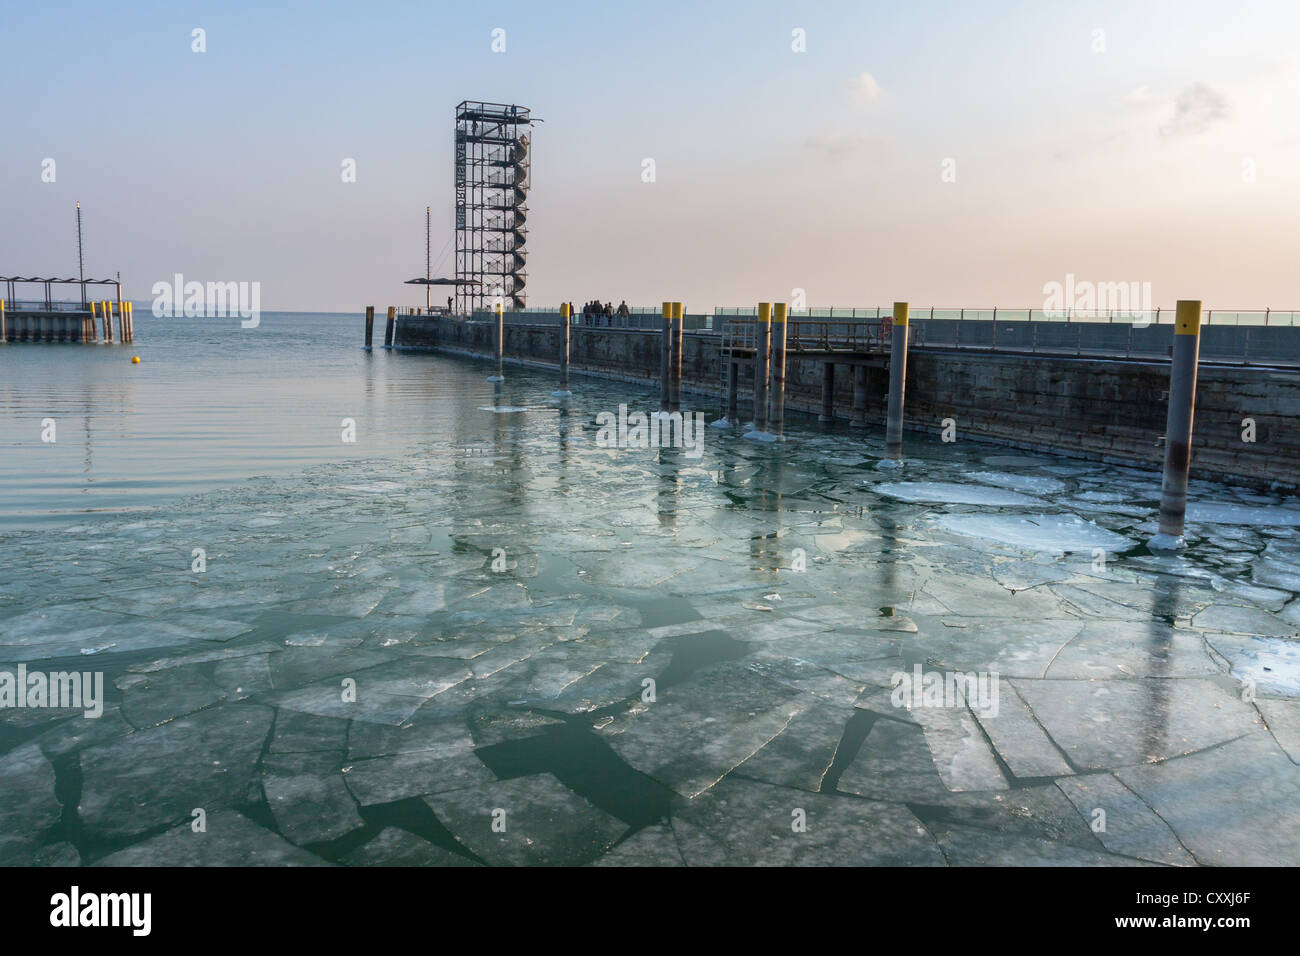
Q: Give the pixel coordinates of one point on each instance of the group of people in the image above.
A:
(594, 313)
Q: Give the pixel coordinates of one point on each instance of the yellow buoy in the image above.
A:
(135, 360)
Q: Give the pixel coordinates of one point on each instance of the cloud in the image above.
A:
(1196, 109)
(863, 88)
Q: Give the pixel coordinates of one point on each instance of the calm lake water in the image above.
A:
(210, 403)
(377, 652)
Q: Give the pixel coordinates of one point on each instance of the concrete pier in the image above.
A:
(1178, 428)
(897, 384)
(761, 358)
(1095, 408)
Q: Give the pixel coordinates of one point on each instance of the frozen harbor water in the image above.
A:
(498, 644)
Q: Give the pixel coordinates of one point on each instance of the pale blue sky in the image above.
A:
(775, 169)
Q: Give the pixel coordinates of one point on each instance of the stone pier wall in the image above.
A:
(1087, 407)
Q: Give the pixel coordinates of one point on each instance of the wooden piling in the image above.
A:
(388, 329)
(4, 333)
(370, 326)
(501, 344)
(565, 321)
(675, 362)
(897, 384)
(665, 358)
(776, 407)
(763, 342)
(828, 393)
(1178, 429)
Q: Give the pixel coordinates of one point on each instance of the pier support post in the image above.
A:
(130, 320)
(4, 334)
(776, 411)
(859, 418)
(500, 376)
(370, 325)
(897, 384)
(388, 329)
(763, 340)
(665, 357)
(565, 319)
(1178, 430)
(108, 320)
(828, 393)
(675, 362)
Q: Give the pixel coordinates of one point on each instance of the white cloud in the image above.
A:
(1196, 109)
(864, 89)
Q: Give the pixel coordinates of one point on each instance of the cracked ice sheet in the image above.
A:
(698, 731)
(1107, 724)
(800, 755)
(231, 839)
(306, 794)
(546, 823)
(1271, 663)
(746, 823)
(943, 492)
(157, 776)
(397, 847)
(1049, 534)
(968, 846)
(1234, 805)
(1010, 649)
(1119, 649)
(30, 807)
(1131, 827)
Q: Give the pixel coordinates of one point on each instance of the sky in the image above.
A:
(948, 154)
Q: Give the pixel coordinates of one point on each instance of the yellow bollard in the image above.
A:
(897, 385)
(1178, 426)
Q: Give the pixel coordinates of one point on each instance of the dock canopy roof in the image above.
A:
(443, 282)
(59, 281)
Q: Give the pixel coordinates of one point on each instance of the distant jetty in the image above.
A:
(46, 319)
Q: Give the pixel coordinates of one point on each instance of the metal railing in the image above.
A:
(1158, 316)
(815, 335)
(41, 305)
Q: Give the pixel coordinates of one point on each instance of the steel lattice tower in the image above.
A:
(492, 180)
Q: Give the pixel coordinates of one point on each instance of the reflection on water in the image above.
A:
(646, 657)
